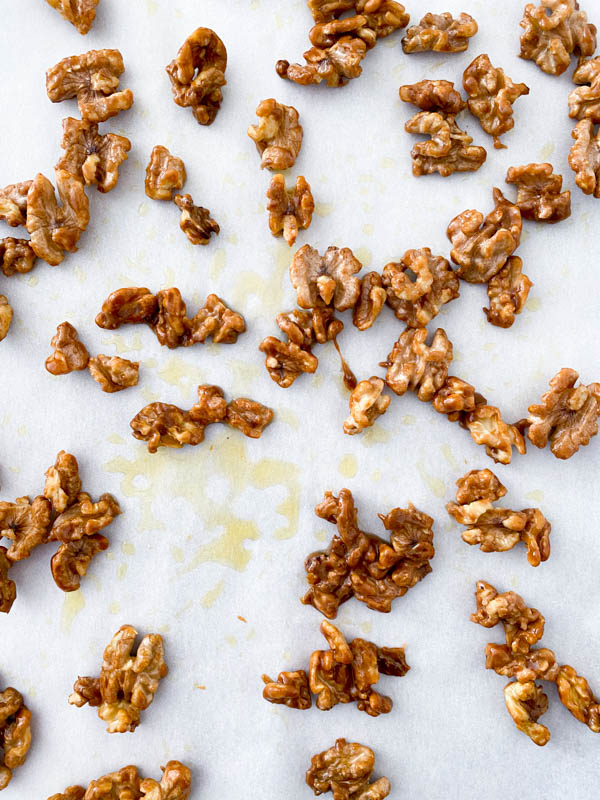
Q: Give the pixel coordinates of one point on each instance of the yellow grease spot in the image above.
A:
(245, 371)
(364, 255)
(122, 345)
(348, 466)
(376, 475)
(128, 548)
(114, 438)
(408, 419)
(366, 627)
(374, 435)
(143, 209)
(386, 162)
(22, 430)
(536, 495)
(289, 417)
(323, 209)
(219, 262)
(209, 599)
(447, 453)
(231, 640)
(533, 304)
(74, 603)
(547, 150)
(436, 485)
(121, 571)
(177, 554)
(368, 229)
(178, 372)
(321, 535)
(32, 281)
(114, 608)
(199, 686)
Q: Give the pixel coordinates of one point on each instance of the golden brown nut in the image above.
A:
(539, 195)
(329, 279)
(26, 524)
(217, 321)
(486, 426)
(383, 16)
(91, 156)
(482, 247)
(84, 518)
(114, 373)
(370, 301)
(248, 416)
(584, 102)
(567, 415)
(16, 255)
(526, 702)
(70, 353)
(552, 31)
(441, 33)
(500, 529)
(367, 403)
(290, 689)
(116, 784)
(164, 173)
(127, 784)
(175, 783)
(508, 291)
(286, 361)
(8, 589)
(63, 483)
(278, 136)
(165, 425)
(171, 324)
(536, 664)
(431, 95)
(523, 626)
(70, 793)
(13, 203)
(336, 65)
(72, 560)
(15, 733)
(127, 306)
(289, 209)
(197, 74)
(456, 397)
(80, 13)
(211, 405)
(346, 769)
(415, 366)
(449, 150)
(195, 221)
(576, 695)
(584, 157)
(326, 34)
(6, 315)
(93, 78)
(475, 495)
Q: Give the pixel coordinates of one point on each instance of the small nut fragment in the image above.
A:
(26, 524)
(16, 255)
(63, 483)
(539, 195)
(523, 626)
(441, 33)
(286, 361)
(370, 301)
(84, 518)
(80, 13)
(8, 589)
(93, 78)
(536, 664)
(367, 403)
(15, 733)
(70, 354)
(431, 95)
(13, 203)
(175, 783)
(114, 373)
(576, 695)
(486, 426)
(72, 560)
(116, 784)
(449, 150)
(508, 291)
(552, 31)
(290, 689)
(329, 279)
(413, 365)
(127, 306)
(6, 315)
(346, 769)
(70, 793)
(195, 221)
(197, 74)
(455, 398)
(164, 173)
(248, 416)
(584, 157)
(526, 702)
(476, 493)
(289, 209)
(90, 156)
(278, 136)
(584, 102)
(336, 65)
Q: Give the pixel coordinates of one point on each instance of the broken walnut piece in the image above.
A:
(70, 354)
(290, 689)
(127, 306)
(523, 626)
(346, 769)
(6, 315)
(286, 361)
(122, 784)
(70, 793)
(289, 209)
(476, 493)
(90, 156)
(584, 101)
(195, 221)
(164, 173)
(114, 373)
(383, 17)
(326, 34)
(8, 589)
(441, 33)
(539, 195)
(413, 365)
(171, 324)
(500, 529)
(329, 279)
(26, 524)
(576, 695)
(248, 416)
(80, 13)
(370, 301)
(197, 74)
(63, 483)
(553, 30)
(481, 247)
(128, 680)
(166, 425)
(526, 702)
(84, 518)
(507, 291)
(175, 783)
(16, 256)
(13, 203)
(486, 426)
(367, 403)
(449, 150)
(584, 157)
(211, 405)
(15, 733)
(567, 415)
(430, 95)
(336, 65)
(537, 664)
(71, 561)
(278, 136)
(455, 397)
(217, 321)
(93, 78)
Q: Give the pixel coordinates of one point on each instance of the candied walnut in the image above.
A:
(93, 78)
(84, 518)
(70, 793)
(441, 33)
(481, 247)
(552, 31)
(8, 589)
(91, 156)
(329, 279)
(197, 74)
(16, 255)
(164, 173)
(127, 306)
(431, 95)
(584, 157)
(584, 102)
(476, 493)
(346, 769)
(70, 354)
(455, 398)
(286, 361)
(290, 689)
(576, 695)
(13, 203)
(326, 34)
(486, 426)
(211, 406)
(6, 315)
(449, 150)
(63, 483)
(72, 560)
(15, 733)
(367, 403)
(370, 301)
(526, 702)
(567, 415)
(305, 328)
(26, 524)
(195, 221)
(539, 195)
(55, 228)
(491, 96)
(508, 291)
(248, 416)
(417, 302)
(289, 209)
(336, 65)
(175, 783)
(217, 321)
(500, 529)
(383, 16)
(171, 325)
(165, 425)
(278, 136)
(80, 13)
(536, 664)
(128, 681)
(122, 785)
(523, 626)
(114, 373)
(413, 365)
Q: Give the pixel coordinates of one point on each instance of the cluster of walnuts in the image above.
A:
(128, 784)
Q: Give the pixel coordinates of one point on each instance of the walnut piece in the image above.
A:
(370, 301)
(84, 518)
(536, 664)
(382, 17)
(449, 150)
(175, 783)
(71, 561)
(13, 203)
(455, 398)
(500, 529)
(26, 524)
(80, 13)
(63, 483)
(523, 626)
(70, 793)
(15, 733)
(413, 365)
(329, 279)
(127, 784)
(567, 415)
(164, 173)
(552, 31)
(6, 315)
(482, 247)
(289, 209)
(491, 96)
(248, 416)
(336, 65)
(16, 256)
(128, 681)
(476, 493)
(93, 78)
(197, 74)
(526, 702)
(127, 306)
(70, 353)
(539, 195)
(286, 361)
(346, 769)
(195, 221)
(584, 157)
(290, 689)
(217, 321)
(8, 589)
(507, 291)
(486, 426)
(431, 95)
(576, 695)
(91, 156)
(367, 403)
(113, 373)
(584, 102)
(165, 425)
(278, 136)
(441, 33)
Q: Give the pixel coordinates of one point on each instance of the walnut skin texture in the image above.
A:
(69, 353)
(6, 315)
(526, 702)
(507, 291)
(15, 734)
(26, 524)
(336, 65)
(93, 78)
(576, 695)
(431, 95)
(290, 689)
(415, 366)
(127, 306)
(71, 561)
(475, 495)
(440, 33)
(63, 483)
(113, 373)
(90, 156)
(80, 13)
(553, 31)
(286, 361)
(195, 221)
(329, 279)
(537, 664)
(584, 157)
(248, 416)
(16, 256)
(13, 203)
(367, 403)
(128, 681)
(523, 626)
(486, 426)
(539, 195)
(84, 518)
(346, 769)
(455, 398)
(128, 784)
(289, 209)
(370, 301)
(449, 150)
(8, 589)
(584, 102)
(198, 73)
(164, 173)
(278, 136)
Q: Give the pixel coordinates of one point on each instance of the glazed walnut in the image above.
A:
(526, 702)
(486, 426)
(90, 156)
(346, 770)
(195, 221)
(278, 136)
(63, 483)
(13, 203)
(370, 301)
(80, 13)
(567, 415)
(476, 493)
(286, 361)
(113, 373)
(164, 173)
(455, 398)
(584, 157)
(507, 291)
(128, 681)
(15, 733)
(71, 561)
(553, 31)
(248, 416)
(215, 320)
(70, 793)
(383, 17)
(93, 78)
(336, 65)
(8, 589)
(6, 315)
(69, 352)
(329, 279)
(367, 403)
(290, 689)
(198, 73)
(523, 626)
(584, 102)
(289, 209)
(481, 247)
(127, 306)
(500, 529)
(416, 302)
(441, 33)
(449, 149)
(84, 518)
(431, 95)
(539, 195)
(26, 523)
(576, 695)
(175, 783)
(165, 425)
(413, 365)
(16, 256)
(536, 664)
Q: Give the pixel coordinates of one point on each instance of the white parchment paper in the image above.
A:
(209, 550)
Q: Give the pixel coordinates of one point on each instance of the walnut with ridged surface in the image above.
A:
(6, 315)
(15, 733)
(8, 589)
(217, 321)
(248, 416)
(166, 425)
(164, 173)
(367, 403)
(71, 561)
(336, 65)
(441, 33)
(449, 150)
(63, 483)
(84, 518)
(90, 156)
(278, 136)
(584, 101)
(26, 523)
(286, 361)
(113, 373)
(526, 702)
(536, 664)
(584, 157)
(80, 13)
(576, 695)
(433, 95)
(195, 221)
(507, 291)
(486, 426)
(127, 306)
(13, 203)
(539, 195)
(413, 365)
(523, 626)
(16, 256)
(346, 770)
(289, 209)
(329, 279)
(175, 783)
(370, 301)
(553, 30)
(290, 689)
(455, 398)
(70, 354)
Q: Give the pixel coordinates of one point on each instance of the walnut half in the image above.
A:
(196, 221)
(91, 156)
(80, 13)
(69, 352)
(539, 195)
(552, 31)
(346, 769)
(289, 209)
(164, 173)
(278, 136)
(440, 33)
(367, 403)
(15, 733)
(413, 365)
